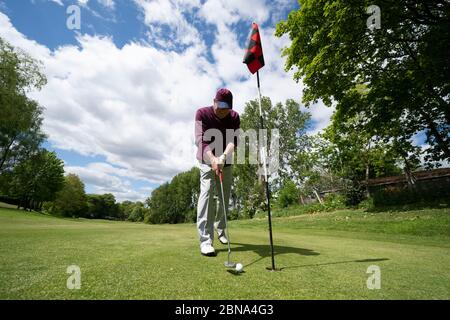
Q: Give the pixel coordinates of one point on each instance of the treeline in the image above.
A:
(172, 202)
(31, 177)
(72, 201)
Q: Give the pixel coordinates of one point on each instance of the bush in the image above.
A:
(137, 214)
(70, 201)
(233, 214)
(354, 193)
(288, 194)
(366, 204)
(191, 215)
(334, 201)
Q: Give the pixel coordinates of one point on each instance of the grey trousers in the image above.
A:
(209, 214)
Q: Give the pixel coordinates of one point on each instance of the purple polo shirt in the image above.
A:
(205, 119)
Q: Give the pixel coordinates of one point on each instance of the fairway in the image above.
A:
(121, 260)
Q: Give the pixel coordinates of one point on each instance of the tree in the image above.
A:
(160, 205)
(291, 124)
(71, 201)
(102, 206)
(344, 157)
(37, 179)
(20, 117)
(176, 201)
(138, 212)
(311, 167)
(404, 65)
(288, 195)
(125, 209)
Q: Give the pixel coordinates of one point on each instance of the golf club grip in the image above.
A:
(221, 175)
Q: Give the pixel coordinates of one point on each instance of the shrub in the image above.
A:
(334, 201)
(137, 214)
(354, 193)
(366, 204)
(288, 194)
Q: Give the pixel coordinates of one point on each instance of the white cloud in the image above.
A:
(110, 4)
(107, 3)
(9, 33)
(101, 178)
(279, 8)
(321, 115)
(163, 15)
(231, 11)
(135, 105)
(58, 2)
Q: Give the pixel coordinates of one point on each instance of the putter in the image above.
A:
(228, 263)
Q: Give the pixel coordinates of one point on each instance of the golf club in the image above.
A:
(228, 263)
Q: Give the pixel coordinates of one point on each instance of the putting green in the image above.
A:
(121, 260)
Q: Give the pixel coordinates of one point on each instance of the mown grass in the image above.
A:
(322, 256)
(424, 222)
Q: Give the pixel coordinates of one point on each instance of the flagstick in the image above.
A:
(263, 154)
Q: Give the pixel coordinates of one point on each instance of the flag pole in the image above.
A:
(263, 156)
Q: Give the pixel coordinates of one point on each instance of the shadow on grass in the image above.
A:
(264, 250)
(235, 273)
(337, 262)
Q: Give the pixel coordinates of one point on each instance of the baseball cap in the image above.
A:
(224, 99)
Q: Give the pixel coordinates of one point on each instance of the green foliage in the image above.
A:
(176, 201)
(20, 73)
(137, 214)
(132, 211)
(126, 208)
(102, 207)
(344, 157)
(248, 187)
(331, 202)
(37, 179)
(233, 214)
(288, 194)
(395, 78)
(71, 201)
(354, 192)
(366, 204)
(355, 155)
(335, 201)
(20, 117)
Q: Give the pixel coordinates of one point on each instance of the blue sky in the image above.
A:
(122, 91)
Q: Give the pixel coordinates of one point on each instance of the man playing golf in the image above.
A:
(216, 135)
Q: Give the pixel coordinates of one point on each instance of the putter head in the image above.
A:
(230, 264)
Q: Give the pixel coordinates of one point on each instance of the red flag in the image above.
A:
(254, 58)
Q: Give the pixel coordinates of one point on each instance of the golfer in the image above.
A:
(216, 136)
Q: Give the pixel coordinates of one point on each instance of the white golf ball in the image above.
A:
(239, 267)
